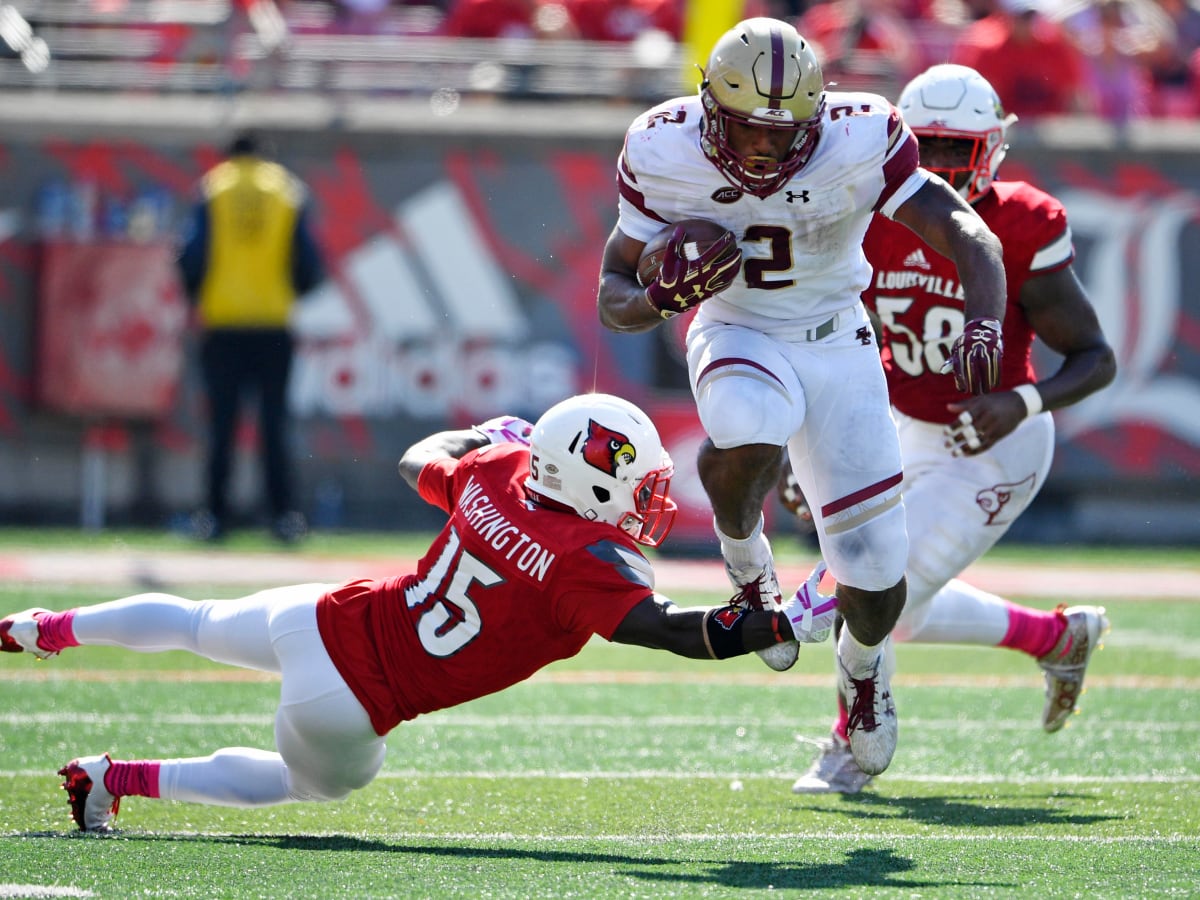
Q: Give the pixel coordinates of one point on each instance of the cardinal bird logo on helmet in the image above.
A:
(607, 450)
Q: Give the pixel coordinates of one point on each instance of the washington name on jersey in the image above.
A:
(497, 531)
(917, 296)
(801, 246)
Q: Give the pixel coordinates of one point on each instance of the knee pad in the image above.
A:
(871, 556)
(738, 409)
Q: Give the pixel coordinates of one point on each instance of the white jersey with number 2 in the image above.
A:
(801, 246)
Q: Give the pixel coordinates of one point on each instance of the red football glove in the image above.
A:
(975, 357)
(686, 280)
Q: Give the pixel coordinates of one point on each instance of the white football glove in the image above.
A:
(810, 612)
(506, 430)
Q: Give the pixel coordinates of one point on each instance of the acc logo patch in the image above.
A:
(727, 195)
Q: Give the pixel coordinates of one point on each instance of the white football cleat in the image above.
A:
(19, 633)
(758, 589)
(1066, 664)
(92, 807)
(872, 726)
(834, 771)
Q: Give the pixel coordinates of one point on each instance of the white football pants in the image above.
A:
(957, 508)
(825, 400)
(326, 745)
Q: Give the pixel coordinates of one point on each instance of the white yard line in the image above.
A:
(725, 776)
(40, 674)
(522, 722)
(1092, 583)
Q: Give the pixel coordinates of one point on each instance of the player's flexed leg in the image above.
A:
(824, 400)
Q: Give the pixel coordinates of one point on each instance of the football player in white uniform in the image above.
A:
(781, 351)
(972, 465)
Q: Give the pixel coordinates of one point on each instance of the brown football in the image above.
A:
(701, 232)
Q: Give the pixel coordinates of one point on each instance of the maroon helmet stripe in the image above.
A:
(859, 496)
(777, 66)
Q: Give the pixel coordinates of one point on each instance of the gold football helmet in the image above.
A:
(762, 73)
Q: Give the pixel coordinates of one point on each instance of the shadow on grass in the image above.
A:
(960, 812)
(863, 867)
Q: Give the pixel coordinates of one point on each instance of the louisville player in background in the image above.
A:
(541, 551)
(781, 353)
(971, 466)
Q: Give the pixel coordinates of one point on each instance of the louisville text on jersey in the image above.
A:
(906, 281)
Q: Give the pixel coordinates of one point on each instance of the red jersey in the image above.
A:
(918, 298)
(506, 588)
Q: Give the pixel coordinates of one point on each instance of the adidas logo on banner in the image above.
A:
(916, 260)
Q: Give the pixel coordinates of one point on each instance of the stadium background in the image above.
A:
(463, 230)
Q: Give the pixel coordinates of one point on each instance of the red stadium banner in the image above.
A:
(111, 317)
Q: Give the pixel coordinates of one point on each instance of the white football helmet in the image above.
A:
(601, 456)
(956, 102)
(761, 72)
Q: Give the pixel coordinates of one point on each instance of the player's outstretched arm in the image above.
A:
(719, 632)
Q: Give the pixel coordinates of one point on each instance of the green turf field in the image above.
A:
(629, 773)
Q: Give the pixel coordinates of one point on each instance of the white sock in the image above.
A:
(236, 776)
(749, 552)
(856, 656)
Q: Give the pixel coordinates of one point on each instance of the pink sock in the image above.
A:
(55, 631)
(132, 778)
(839, 725)
(1033, 630)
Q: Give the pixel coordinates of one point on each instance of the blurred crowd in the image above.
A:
(1119, 59)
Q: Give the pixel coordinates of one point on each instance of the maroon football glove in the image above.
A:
(975, 357)
(689, 276)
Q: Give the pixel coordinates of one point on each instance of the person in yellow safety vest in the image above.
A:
(247, 255)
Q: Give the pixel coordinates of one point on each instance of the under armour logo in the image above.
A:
(864, 336)
(791, 197)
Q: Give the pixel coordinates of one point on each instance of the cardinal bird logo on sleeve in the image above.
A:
(607, 450)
